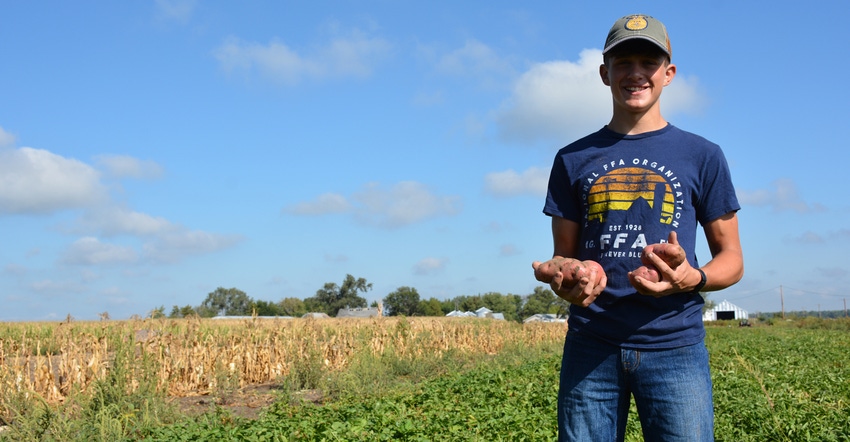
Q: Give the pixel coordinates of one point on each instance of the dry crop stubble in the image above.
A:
(189, 357)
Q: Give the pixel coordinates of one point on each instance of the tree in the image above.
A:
(157, 313)
(187, 311)
(228, 302)
(266, 308)
(431, 307)
(709, 304)
(508, 305)
(543, 300)
(403, 301)
(292, 307)
(331, 298)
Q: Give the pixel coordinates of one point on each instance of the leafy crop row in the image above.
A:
(513, 404)
(772, 383)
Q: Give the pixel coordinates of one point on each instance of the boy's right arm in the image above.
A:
(565, 236)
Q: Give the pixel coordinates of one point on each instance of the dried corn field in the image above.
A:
(187, 357)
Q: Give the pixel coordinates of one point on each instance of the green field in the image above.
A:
(788, 382)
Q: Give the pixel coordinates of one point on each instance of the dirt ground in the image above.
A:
(247, 403)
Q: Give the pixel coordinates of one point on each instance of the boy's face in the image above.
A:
(636, 77)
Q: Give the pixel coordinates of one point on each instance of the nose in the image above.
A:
(635, 73)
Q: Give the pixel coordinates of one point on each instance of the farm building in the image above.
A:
(482, 312)
(543, 317)
(316, 315)
(724, 311)
(371, 312)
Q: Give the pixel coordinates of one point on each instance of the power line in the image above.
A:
(815, 293)
(753, 294)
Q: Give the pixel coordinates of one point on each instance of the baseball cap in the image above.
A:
(638, 26)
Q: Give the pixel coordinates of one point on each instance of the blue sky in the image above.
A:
(152, 151)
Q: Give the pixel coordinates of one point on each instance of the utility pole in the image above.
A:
(845, 307)
(782, 300)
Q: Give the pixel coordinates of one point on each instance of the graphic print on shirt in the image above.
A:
(630, 203)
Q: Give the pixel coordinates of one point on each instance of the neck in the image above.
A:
(630, 123)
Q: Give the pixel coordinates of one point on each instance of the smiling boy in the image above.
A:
(638, 181)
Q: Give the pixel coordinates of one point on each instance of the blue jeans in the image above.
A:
(672, 391)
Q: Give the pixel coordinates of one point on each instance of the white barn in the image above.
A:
(725, 311)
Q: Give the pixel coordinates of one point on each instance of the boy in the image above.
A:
(638, 181)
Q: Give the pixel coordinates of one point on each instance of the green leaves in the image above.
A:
(780, 384)
(770, 384)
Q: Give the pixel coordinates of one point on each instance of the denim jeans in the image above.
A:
(672, 391)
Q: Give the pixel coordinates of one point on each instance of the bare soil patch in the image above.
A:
(247, 402)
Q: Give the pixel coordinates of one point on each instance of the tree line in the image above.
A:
(404, 301)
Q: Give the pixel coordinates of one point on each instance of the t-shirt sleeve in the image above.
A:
(717, 194)
(561, 201)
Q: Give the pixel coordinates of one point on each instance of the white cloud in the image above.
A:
(91, 251)
(532, 181)
(6, 139)
(274, 60)
(324, 204)
(429, 266)
(809, 237)
(508, 250)
(353, 55)
(174, 246)
(474, 58)
(115, 220)
(57, 287)
(124, 166)
(403, 204)
(177, 10)
(782, 197)
(35, 181)
(556, 99)
(162, 241)
(683, 96)
(14, 269)
(560, 101)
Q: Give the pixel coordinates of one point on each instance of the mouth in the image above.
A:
(636, 89)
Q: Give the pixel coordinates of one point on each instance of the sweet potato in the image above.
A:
(590, 265)
(572, 269)
(650, 273)
(672, 254)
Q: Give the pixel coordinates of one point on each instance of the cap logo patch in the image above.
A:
(636, 23)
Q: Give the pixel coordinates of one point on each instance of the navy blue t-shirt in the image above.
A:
(629, 191)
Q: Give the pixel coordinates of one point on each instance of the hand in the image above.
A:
(671, 279)
(574, 281)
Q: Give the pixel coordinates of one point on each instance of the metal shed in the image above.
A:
(724, 311)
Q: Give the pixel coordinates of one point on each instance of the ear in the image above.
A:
(669, 73)
(603, 72)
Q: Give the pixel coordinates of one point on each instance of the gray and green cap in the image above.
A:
(638, 26)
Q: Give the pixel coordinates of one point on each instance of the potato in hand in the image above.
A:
(672, 254)
(572, 269)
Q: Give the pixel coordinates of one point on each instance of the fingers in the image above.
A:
(672, 238)
(571, 280)
(535, 265)
(584, 292)
(542, 271)
(647, 287)
(671, 279)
